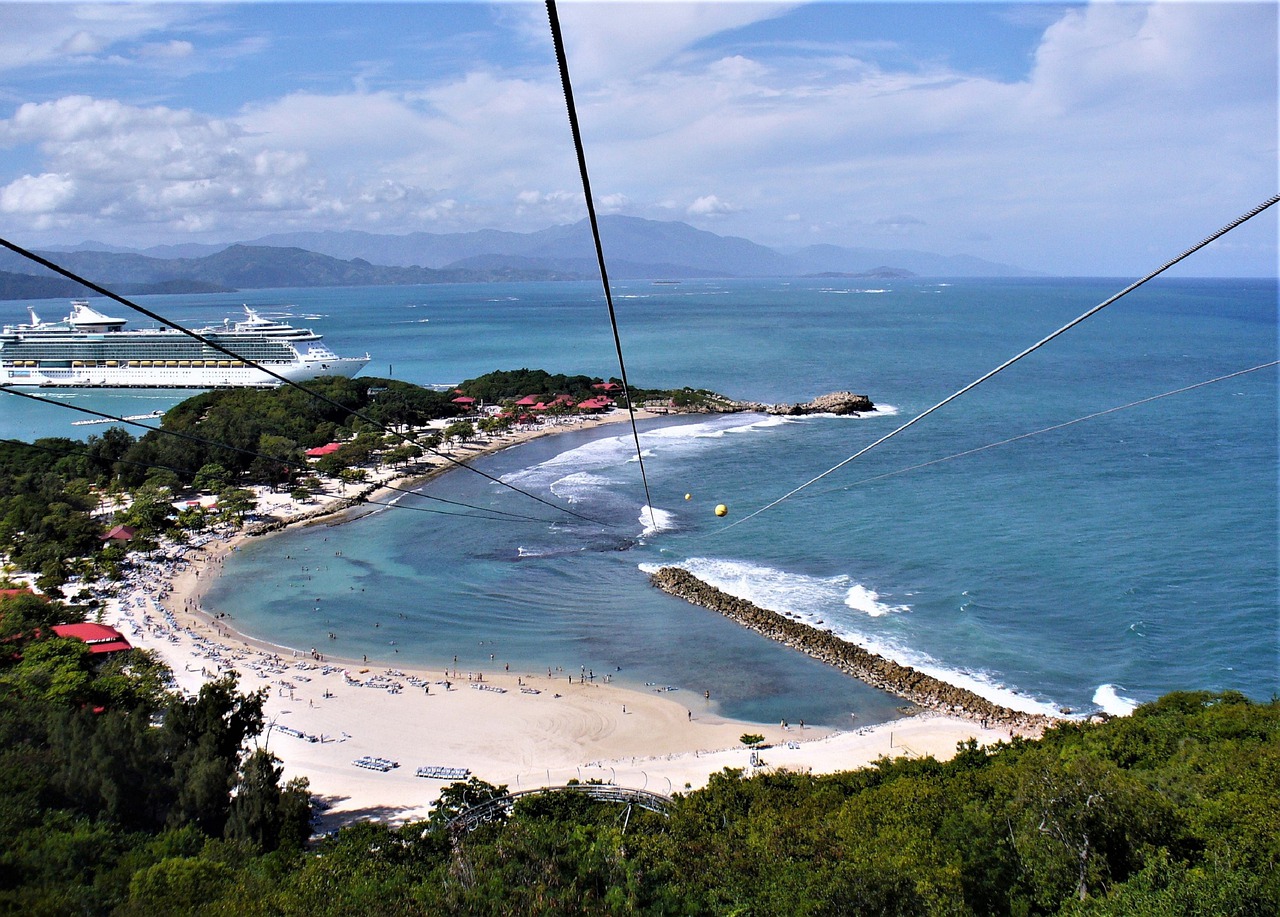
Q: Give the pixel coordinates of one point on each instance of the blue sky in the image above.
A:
(1095, 139)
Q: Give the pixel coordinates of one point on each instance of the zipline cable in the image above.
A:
(102, 291)
(1007, 363)
(9, 390)
(1057, 426)
(563, 63)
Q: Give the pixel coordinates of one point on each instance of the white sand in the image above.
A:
(513, 736)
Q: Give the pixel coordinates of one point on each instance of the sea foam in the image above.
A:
(655, 520)
(867, 601)
(1110, 700)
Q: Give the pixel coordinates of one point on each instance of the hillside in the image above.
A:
(636, 249)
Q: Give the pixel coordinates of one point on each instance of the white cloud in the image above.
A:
(618, 41)
(151, 165)
(167, 50)
(1134, 119)
(1084, 145)
(710, 206)
(35, 34)
(612, 203)
(83, 42)
(36, 194)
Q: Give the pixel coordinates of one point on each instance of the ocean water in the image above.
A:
(1093, 566)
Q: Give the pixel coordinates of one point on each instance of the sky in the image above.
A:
(1072, 139)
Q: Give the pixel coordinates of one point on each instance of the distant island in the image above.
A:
(636, 250)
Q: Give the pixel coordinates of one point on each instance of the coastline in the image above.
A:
(522, 729)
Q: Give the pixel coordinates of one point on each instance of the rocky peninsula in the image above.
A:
(920, 689)
(705, 402)
(840, 403)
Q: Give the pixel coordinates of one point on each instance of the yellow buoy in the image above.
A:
(688, 496)
(722, 510)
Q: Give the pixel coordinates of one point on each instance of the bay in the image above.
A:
(1089, 567)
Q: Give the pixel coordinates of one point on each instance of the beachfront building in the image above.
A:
(101, 639)
(322, 451)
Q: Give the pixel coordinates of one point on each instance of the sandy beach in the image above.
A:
(524, 729)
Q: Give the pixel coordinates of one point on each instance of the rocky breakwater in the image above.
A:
(923, 690)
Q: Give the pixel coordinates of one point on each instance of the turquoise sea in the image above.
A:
(1091, 567)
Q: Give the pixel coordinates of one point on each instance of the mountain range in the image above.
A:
(636, 249)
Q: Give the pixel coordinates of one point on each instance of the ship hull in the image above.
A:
(178, 377)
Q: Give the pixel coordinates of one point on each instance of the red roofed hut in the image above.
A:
(322, 451)
(100, 638)
(120, 533)
(594, 405)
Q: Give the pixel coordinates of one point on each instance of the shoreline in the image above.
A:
(520, 728)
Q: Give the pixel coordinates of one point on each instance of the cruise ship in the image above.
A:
(89, 349)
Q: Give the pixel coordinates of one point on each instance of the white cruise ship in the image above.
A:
(88, 348)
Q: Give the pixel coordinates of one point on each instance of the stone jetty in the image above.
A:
(923, 690)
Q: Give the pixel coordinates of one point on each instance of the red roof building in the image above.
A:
(120, 533)
(321, 451)
(101, 639)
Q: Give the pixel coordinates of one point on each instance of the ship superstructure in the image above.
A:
(88, 348)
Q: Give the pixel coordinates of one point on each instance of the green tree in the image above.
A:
(263, 813)
(211, 478)
(205, 735)
(178, 885)
(236, 503)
